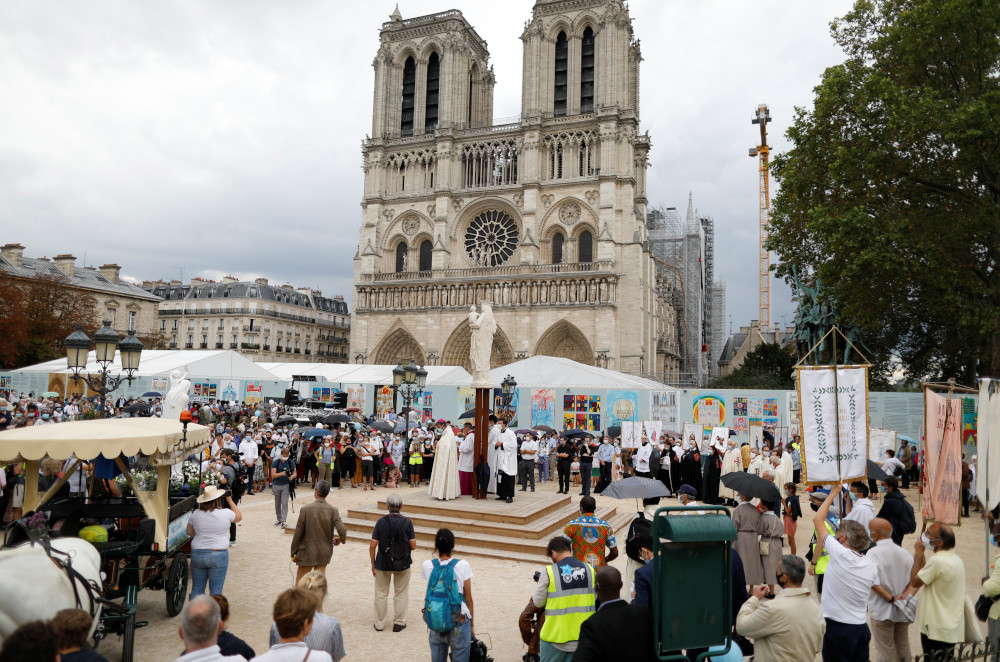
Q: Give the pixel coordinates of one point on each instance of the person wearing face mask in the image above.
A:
(642, 457)
(860, 508)
(942, 608)
(991, 588)
(849, 578)
(897, 510)
(790, 627)
(889, 625)
(732, 461)
(746, 519)
(566, 591)
(686, 497)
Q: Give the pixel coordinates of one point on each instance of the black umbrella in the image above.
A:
(545, 428)
(574, 434)
(152, 394)
(137, 408)
(875, 472)
(732, 433)
(752, 486)
(469, 413)
(286, 420)
(615, 431)
(381, 426)
(337, 418)
(483, 474)
(636, 488)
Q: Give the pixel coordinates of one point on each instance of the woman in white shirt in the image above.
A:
(459, 639)
(209, 531)
(293, 616)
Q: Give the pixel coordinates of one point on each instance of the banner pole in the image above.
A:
(836, 404)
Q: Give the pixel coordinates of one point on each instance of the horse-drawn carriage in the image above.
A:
(146, 542)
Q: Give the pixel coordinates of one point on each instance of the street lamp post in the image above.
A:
(409, 381)
(106, 341)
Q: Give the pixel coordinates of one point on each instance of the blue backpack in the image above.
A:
(442, 602)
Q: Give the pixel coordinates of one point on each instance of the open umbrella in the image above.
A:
(636, 487)
(137, 408)
(875, 472)
(469, 413)
(50, 394)
(310, 433)
(575, 434)
(751, 486)
(545, 428)
(337, 418)
(381, 426)
(152, 394)
(615, 431)
(526, 431)
(286, 420)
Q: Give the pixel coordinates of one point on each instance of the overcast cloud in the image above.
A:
(223, 137)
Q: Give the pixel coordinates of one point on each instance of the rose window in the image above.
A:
(491, 238)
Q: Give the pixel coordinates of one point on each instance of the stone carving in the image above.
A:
(176, 399)
(431, 209)
(484, 326)
(592, 196)
(569, 213)
(387, 214)
(547, 199)
(519, 200)
(411, 224)
(456, 204)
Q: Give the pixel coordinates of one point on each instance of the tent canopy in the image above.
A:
(161, 362)
(364, 374)
(555, 372)
(88, 439)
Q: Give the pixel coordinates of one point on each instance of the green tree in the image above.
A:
(767, 366)
(890, 195)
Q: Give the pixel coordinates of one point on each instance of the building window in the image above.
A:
(175, 325)
(557, 248)
(409, 87)
(586, 242)
(561, 78)
(131, 320)
(431, 105)
(401, 257)
(163, 326)
(111, 315)
(425, 255)
(587, 72)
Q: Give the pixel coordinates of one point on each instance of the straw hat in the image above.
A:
(211, 493)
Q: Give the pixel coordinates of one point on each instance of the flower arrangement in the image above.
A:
(37, 526)
(144, 478)
(192, 477)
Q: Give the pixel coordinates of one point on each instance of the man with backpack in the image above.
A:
(448, 608)
(393, 540)
(897, 510)
(641, 526)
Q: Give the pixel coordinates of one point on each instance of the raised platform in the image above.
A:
(517, 531)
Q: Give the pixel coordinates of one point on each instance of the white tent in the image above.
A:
(554, 372)
(160, 363)
(364, 374)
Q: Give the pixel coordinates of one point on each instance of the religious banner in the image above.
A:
(384, 400)
(663, 406)
(988, 442)
(653, 429)
(621, 406)
(880, 441)
(720, 435)
(229, 390)
(709, 410)
(693, 436)
(631, 434)
(942, 458)
(356, 397)
(159, 384)
(254, 392)
(793, 413)
(757, 436)
(467, 399)
(543, 407)
(834, 415)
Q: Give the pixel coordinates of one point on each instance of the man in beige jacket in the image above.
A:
(313, 542)
(790, 627)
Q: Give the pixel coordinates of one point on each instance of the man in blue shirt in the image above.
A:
(606, 458)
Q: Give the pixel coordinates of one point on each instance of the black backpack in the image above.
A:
(639, 527)
(907, 523)
(396, 552)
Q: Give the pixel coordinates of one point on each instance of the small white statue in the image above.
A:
(481, 347)
(176, 399)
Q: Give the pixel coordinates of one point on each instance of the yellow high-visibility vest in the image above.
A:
(568, 603)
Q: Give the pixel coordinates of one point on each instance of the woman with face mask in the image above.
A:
(746, 519)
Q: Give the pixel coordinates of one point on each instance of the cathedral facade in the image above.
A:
(544, 218)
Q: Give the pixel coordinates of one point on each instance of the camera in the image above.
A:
(537, 575)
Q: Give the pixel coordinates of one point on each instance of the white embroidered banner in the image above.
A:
(834, 419)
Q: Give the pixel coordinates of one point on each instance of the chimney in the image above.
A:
(13, 253)
(195, 282)
(226, 280)
(304, 291)
(111, 271)
(65, 263)
(174, 282)
(286, 286)
(338, 297)
(261, 281)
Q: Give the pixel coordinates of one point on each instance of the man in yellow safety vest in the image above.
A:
(566, 591)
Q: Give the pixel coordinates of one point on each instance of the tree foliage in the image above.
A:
(890, 196)
(36, 315)
(767, 366)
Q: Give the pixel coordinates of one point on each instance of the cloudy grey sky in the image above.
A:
(223, 136)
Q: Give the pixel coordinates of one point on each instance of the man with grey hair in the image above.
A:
(201, 623)
(791, 626)
(313, 542)
(849, 578)
(393, 540)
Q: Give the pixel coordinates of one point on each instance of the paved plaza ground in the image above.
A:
(259, 570)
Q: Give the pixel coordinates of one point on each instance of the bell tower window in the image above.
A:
(586, 245)
(401, 257)
(431, 105)
(425, 255)
(409, 87)
(561, 77)
(587, 72)
(557, 248)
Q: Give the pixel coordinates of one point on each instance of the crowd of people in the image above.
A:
(866, 585)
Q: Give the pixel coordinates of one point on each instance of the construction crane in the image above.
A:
(763, 117)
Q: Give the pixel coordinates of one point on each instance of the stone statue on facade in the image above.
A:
(484, 326)
(176, 399)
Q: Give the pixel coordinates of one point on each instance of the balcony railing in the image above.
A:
(188, 345)
(249, 345)
(218, 345)
(493, 273)
(204, 345)
(232, 345)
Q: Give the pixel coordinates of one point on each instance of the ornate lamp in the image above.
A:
(105, 343)
(421, 378)
(411, 373)
(130, 349)
(397, 376)
(77, 348)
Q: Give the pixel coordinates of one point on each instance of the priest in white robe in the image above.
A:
(732, 461)
(491, 454)
(444, 475)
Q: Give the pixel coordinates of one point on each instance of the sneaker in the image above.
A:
(232, 543)
(276, 522)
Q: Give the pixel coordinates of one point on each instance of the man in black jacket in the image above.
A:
(897, 510)
(618, 631)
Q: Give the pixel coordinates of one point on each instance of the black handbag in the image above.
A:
(983, 606)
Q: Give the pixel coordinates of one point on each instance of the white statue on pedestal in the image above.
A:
(176, 399)
(481, 347)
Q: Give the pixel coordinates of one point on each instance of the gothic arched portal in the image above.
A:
(456, 350)
(565, 341)
(398, 346)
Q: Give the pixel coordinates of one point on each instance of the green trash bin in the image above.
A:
(692, 594)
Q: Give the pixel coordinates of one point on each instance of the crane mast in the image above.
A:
(762, 151)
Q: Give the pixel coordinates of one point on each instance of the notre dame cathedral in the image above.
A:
(544, 218)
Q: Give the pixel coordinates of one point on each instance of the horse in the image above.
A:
(36, 582)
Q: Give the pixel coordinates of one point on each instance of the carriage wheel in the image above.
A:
(177, 584)
(128, 637)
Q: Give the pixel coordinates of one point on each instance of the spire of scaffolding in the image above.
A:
(762, 151)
